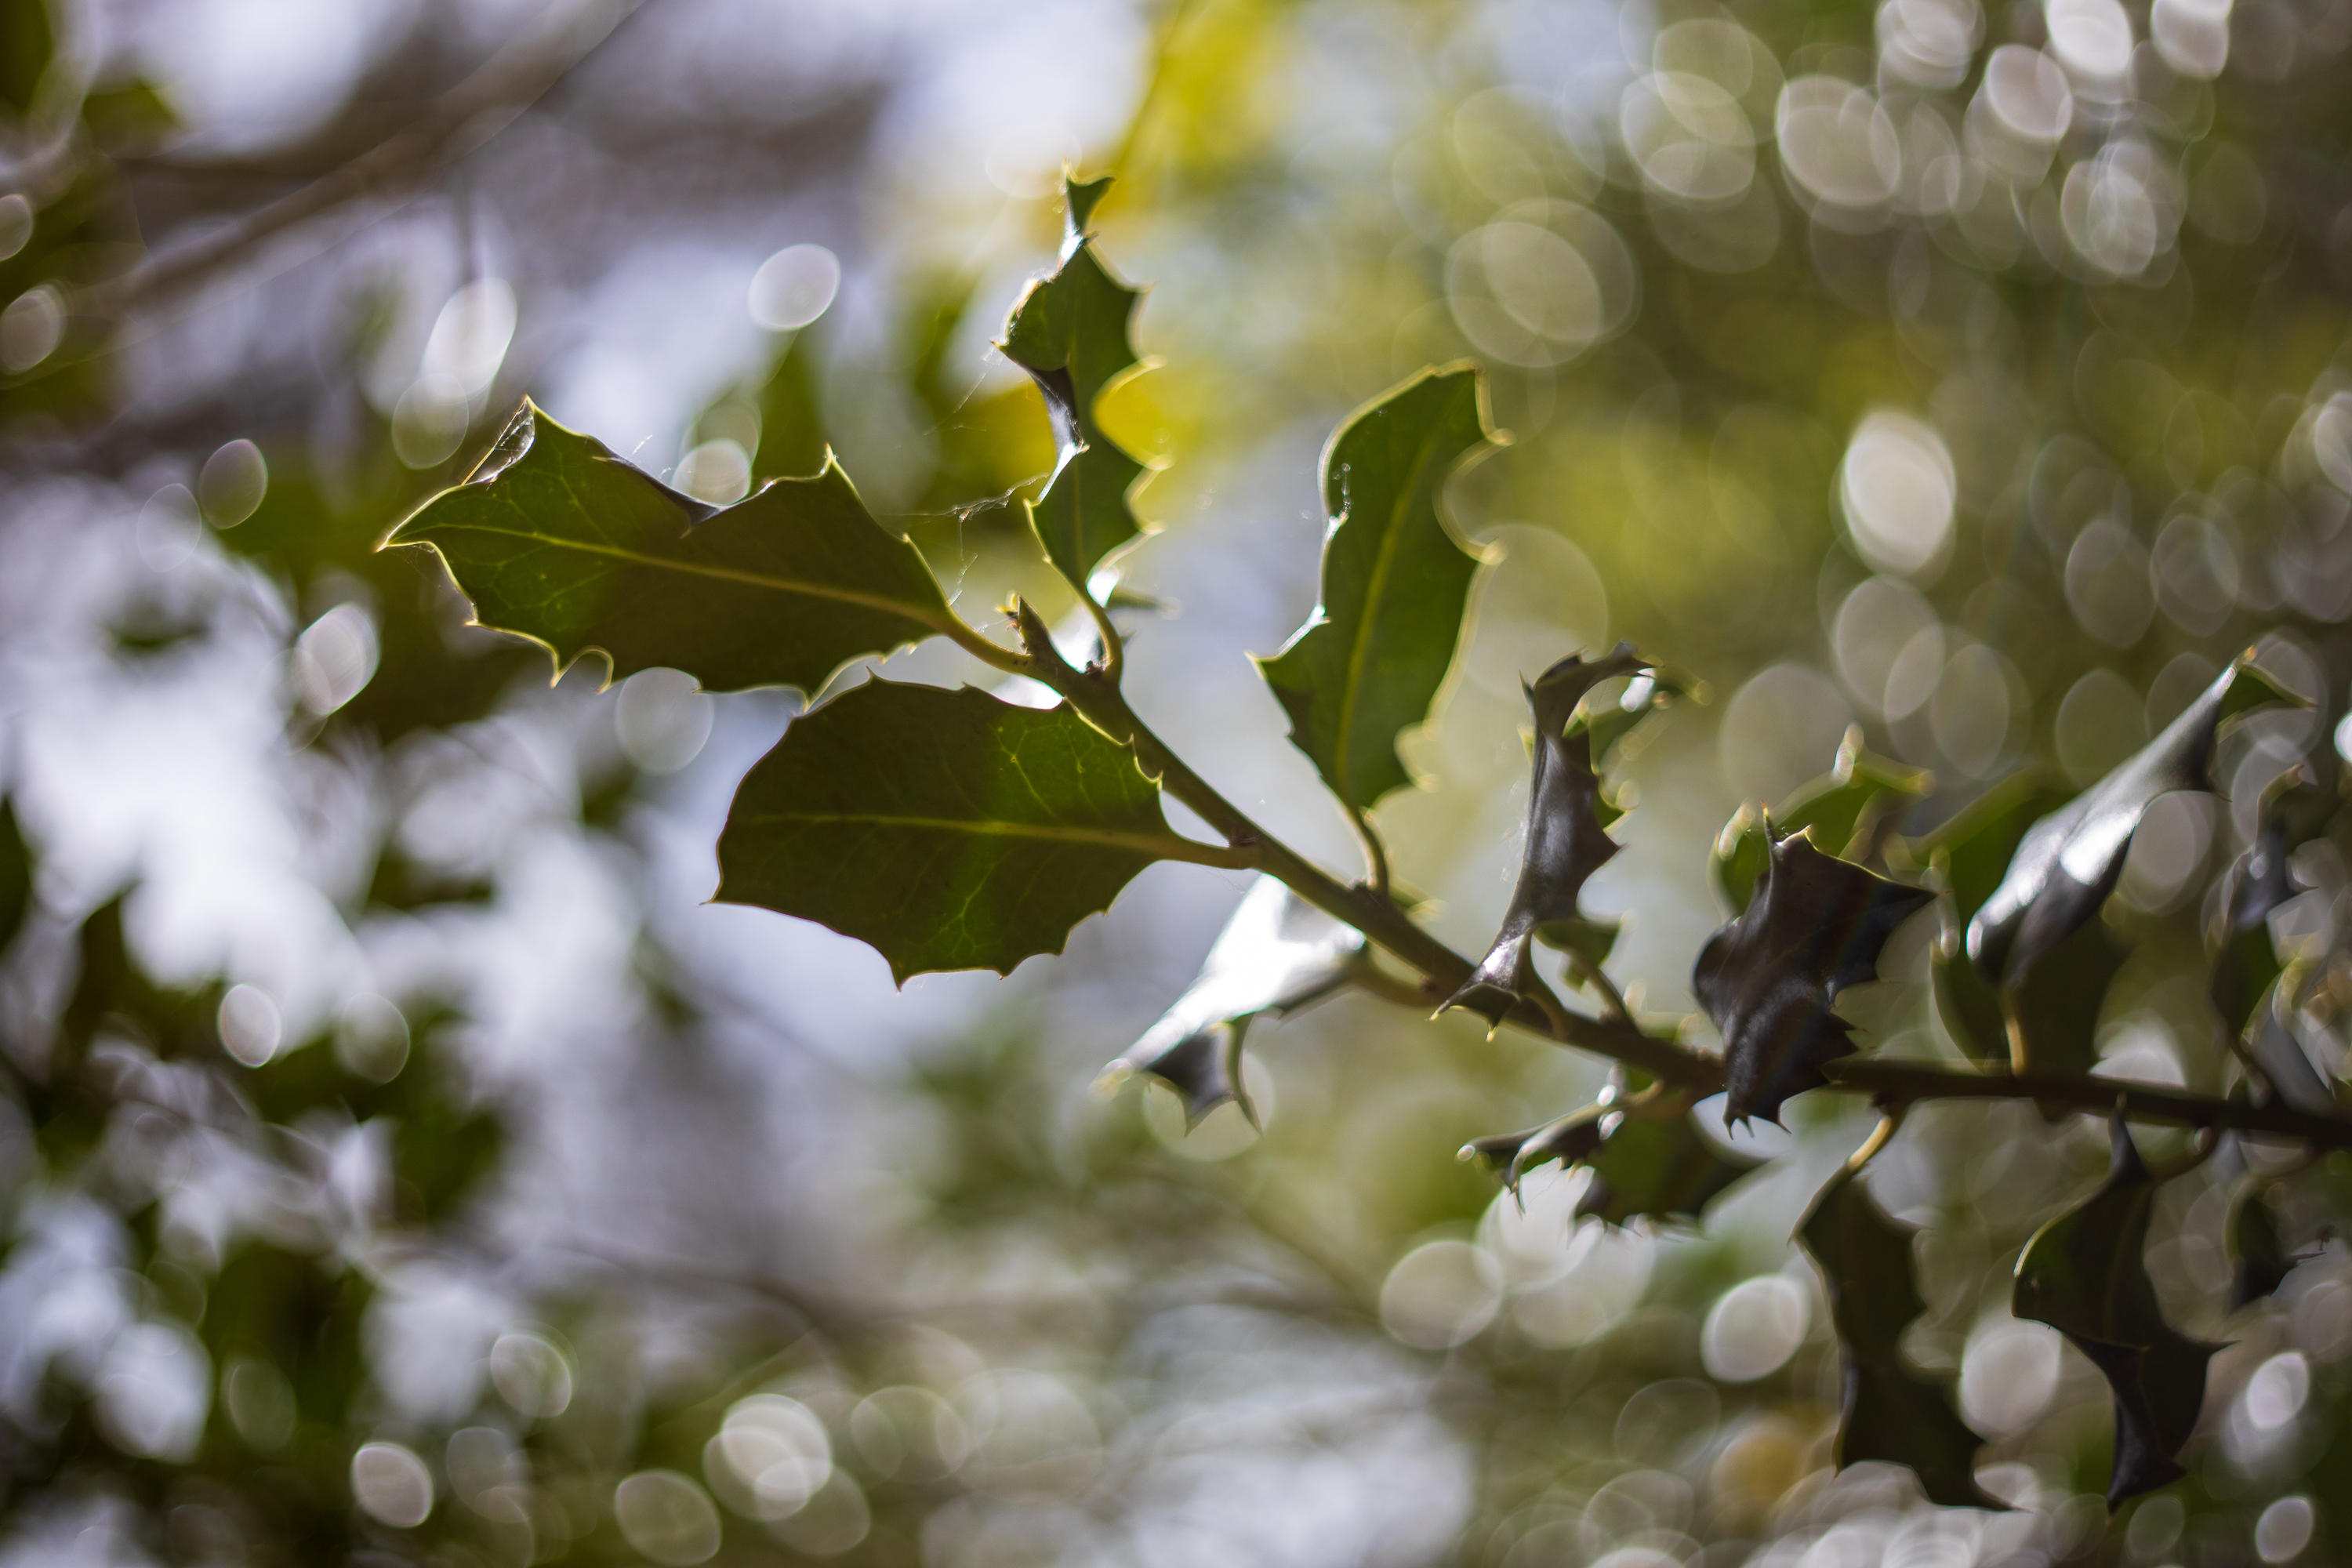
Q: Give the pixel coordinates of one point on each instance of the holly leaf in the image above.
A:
(950, 830)
(1570, 1139)
(1664, 1168)
(2067, 863)
(1770, 977)
(1565, 843)
(1370, 659)
(2264, 1262)
(555, 539)
(1069, 332)
(1888, 1412)
(16, 874)
(1967, 856)
(1276, 953)
(2246, 964)
(2085, 1275)
(1852, 810)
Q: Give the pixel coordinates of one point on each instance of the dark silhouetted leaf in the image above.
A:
(1572, 1138)
(2085, 1275)
(2054, 1011)
(950, 830)
(1664, 1168)
(1852, 810)
(1069, 332)
(2262, 1264)
(1890, 1412)
(1608, 726)
(1395, 580)
(1770, 978)
(16, 874)
(1564, 843)
(1275, 953)
(555, 539)
(2067, 863)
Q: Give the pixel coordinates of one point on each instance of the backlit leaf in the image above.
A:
(1889, 1412)
(1275, 953)
(1069, 332)
(2085, 1275)
(1395, 581)
(1852, 810)
(556, 539)
(1564, 844)
(1967, 856)
(950, 830)
(2067, 863)
(1770, 977)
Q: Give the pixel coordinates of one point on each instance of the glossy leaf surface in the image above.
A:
(2085, 1275)
(1069, 332)
(2067, 863)
(1276, 952)
(1564, 843)
(556, 539)
(1395, 582)
(1770, 977)
(1888, 1413)
(950, 830)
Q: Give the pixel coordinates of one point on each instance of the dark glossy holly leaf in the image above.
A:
(554, 538)
(1564, 843)
(2263, 1262)
(1571, 1139)
(1664, 1168)
(1069, 332)
(16, 874)
(1889, 1412)
(1396, 579)
(1852, 810)
(1770, 977)
(1608, 725)
(1968, 854)
(2052, 1015)
(950, 830)
(2085, 1275)
(2067, 863)
(1277, 952)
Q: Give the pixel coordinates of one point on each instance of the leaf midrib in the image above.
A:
(1360, 644)
(1171, 846)
(940, 621)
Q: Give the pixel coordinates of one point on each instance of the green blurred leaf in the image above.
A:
(1395, 581)
(2085, 1275)
(2246, 963)
(1889, 1412)
(2262, 1263)
(1564, 843)
(2067, 863)
(1852, 810)
(950, 830)
(16, 874)
(1664, 1168)
(555, 539)
(27, 40)
(791, 420)
(129, 118)
(1277, 952)
(1769, 978)
(1069, 332)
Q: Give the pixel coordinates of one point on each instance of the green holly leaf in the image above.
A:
(1069, 332)
(1664, 1168)
(16, 874)
(948, 829)
(2246, 964)
(1570, 1139)
(1852, 810)
(1276, 953)
(1967, 856)
(2067, 863)
(2054, 1011)
(1770, 977)
(555, 539)
(2085, 1275)
(1889, 1413)
(1395, 581)
(1565, 843)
